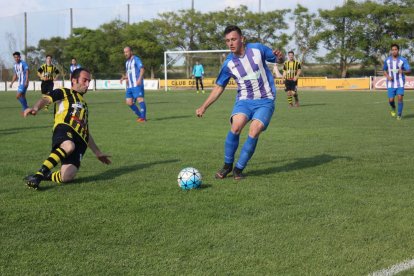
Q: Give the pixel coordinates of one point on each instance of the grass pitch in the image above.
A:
(329, 190)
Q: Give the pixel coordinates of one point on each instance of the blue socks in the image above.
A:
(246, 152)
(135, 109)
(23, 102)
(400, 108)
(143, 110)
(230, 146)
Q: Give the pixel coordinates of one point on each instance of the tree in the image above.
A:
(343, 35)
(306, 33)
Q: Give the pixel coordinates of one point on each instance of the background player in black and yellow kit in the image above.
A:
(291, 71)
(48, 73)
(71, 135)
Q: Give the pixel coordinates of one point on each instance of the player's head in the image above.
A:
(80, 79)
(234, 39)
(197, 62)
(291, 55)
(395, 49)
(128, 52)
(17, 57)
(48, 59)
(73, 61)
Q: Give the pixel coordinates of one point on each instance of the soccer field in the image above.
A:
(329, 190)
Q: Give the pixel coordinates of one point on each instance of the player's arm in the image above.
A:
(37, 106)
(26, 84)
(385, 69)
(405, 69)
(13, 80)
(103, 157)
(39, 73)
(297, 74)
(214, 95)
(56, 74)
(141, 75)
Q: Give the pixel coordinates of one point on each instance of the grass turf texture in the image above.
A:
(328, 191)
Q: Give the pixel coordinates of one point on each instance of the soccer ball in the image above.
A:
(189, 178)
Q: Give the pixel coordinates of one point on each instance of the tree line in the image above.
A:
(355, 33)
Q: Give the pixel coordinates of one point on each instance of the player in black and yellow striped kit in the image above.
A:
(47, 73)
(71, 135)
(291, 72)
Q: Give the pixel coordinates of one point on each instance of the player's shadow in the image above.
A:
(172, 117)
(408, 116)
(14, 130)
(299, 164)
(115, 172)
(312, 104)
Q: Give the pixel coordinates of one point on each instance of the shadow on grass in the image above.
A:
(299, 164)
(172, 118)
(312, 104)
(8, 131)
(409, 116)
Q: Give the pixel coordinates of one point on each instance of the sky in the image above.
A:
(47, 18)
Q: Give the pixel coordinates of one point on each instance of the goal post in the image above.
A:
(180, 53)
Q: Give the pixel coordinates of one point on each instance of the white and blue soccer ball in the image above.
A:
(189, 178)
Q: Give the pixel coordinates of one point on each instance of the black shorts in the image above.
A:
(63, 133)
(290, 85)
(46, 86)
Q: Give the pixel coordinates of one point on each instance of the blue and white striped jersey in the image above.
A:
(392, 66)
(133, 68)
(20, 69)
(253, 77)
(73, 67)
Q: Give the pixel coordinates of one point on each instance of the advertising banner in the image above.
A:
(380, 83)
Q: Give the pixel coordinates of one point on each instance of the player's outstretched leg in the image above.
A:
(55, 157)
(230, 147)
(246, 153)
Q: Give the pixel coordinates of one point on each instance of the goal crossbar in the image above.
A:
(185, 52)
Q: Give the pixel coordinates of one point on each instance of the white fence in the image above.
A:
(149, 84)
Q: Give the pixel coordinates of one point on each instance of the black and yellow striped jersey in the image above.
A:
(70, 109)
(291, 68)
(48, 71)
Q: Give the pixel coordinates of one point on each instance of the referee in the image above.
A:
(291, 71)
(48, 73)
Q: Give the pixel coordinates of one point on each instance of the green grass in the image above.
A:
(329, 191)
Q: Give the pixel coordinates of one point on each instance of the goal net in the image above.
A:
(178, 65)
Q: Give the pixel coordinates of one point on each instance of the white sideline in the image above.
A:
(395, 269)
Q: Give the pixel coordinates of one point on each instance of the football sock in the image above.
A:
(392, 104)
(400, 108)
(135, 109)
(230, 146)
(246, 152)
(52, 161)
(143, 107)
(56, 177)
(23, 102)
(290, 100)
(296, 98)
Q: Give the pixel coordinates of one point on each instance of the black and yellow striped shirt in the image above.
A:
(48, 71)
(291, 68)
(70, 109)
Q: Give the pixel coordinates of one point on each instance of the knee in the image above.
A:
(236, 129)
(255, 130)
(68, 175)
(68, 146)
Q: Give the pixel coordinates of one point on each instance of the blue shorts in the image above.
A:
(395, 91)
(261, 110)
(21, 89)
(135, 92)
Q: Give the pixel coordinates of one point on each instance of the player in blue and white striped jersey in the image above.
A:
(395, 68)
(21, 74)
(73, 66)
(135, 84)
(255, 99)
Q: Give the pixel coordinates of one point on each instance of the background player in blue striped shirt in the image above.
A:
(395, 68)
(255, 100)
(73, 66)
(21, 74)
(135, 84)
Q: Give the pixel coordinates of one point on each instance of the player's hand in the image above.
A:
(200, 111)
(104, 158)
(29, 111)
(11, 85)
(279, 55)
(139, 82)
(400, 71)
(121, 81)
(389, 78)
(295, 79)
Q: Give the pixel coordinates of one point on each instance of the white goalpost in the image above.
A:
(166, 63)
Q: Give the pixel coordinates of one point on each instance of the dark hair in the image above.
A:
(73, 58)
(232, 28)
(395, 45)
(16, 54)
(291, 52)
(48, 56)
(76, 73)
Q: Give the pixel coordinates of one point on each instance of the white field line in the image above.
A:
(385, 101)
(395, 269)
